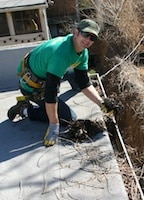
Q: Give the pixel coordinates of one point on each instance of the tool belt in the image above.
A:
(28, 76)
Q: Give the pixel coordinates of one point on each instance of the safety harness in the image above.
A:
(28, 76)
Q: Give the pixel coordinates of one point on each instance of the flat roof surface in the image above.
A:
(19, 3)
(65, 171)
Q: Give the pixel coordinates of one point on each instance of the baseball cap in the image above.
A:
(90, 26)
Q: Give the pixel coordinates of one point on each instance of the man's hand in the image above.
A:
(51, 135)
(112, 104)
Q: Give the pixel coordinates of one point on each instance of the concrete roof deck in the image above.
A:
(66, 171)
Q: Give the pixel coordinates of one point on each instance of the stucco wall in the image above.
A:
(10, 58)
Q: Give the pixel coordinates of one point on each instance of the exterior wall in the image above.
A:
(13, 38)
(61, 17)
(64, 13)
(97, 54)
(62, 8)
(17, 39)
(15, 46)
(10, 57)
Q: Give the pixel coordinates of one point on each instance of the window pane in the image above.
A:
(4, 30)
(26, 21)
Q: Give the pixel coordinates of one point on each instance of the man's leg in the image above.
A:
(65, 113)
(38, 113)
(22, 103)
(70, 77)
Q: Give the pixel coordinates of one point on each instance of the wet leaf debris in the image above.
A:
(84, 130)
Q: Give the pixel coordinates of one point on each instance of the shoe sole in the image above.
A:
(11, 113)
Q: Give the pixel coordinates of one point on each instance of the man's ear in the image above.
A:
(75, 31)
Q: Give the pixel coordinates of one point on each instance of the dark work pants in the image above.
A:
(70, 77)
(38, 112)
(65, 113)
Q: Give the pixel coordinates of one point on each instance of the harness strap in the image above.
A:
(24, 64)
(28, 76)
(27, 79)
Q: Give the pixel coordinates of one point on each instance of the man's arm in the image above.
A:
(93, 95)
(51, 104)
(51, 110)
(51, 100)
(86, 86)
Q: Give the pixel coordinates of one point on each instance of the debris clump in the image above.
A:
(82, 130)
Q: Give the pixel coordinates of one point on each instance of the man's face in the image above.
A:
(83, 40)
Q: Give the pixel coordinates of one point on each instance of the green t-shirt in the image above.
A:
(56, 56)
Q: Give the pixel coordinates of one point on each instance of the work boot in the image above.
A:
(18, 109)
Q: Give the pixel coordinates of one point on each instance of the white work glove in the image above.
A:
(51, 135)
